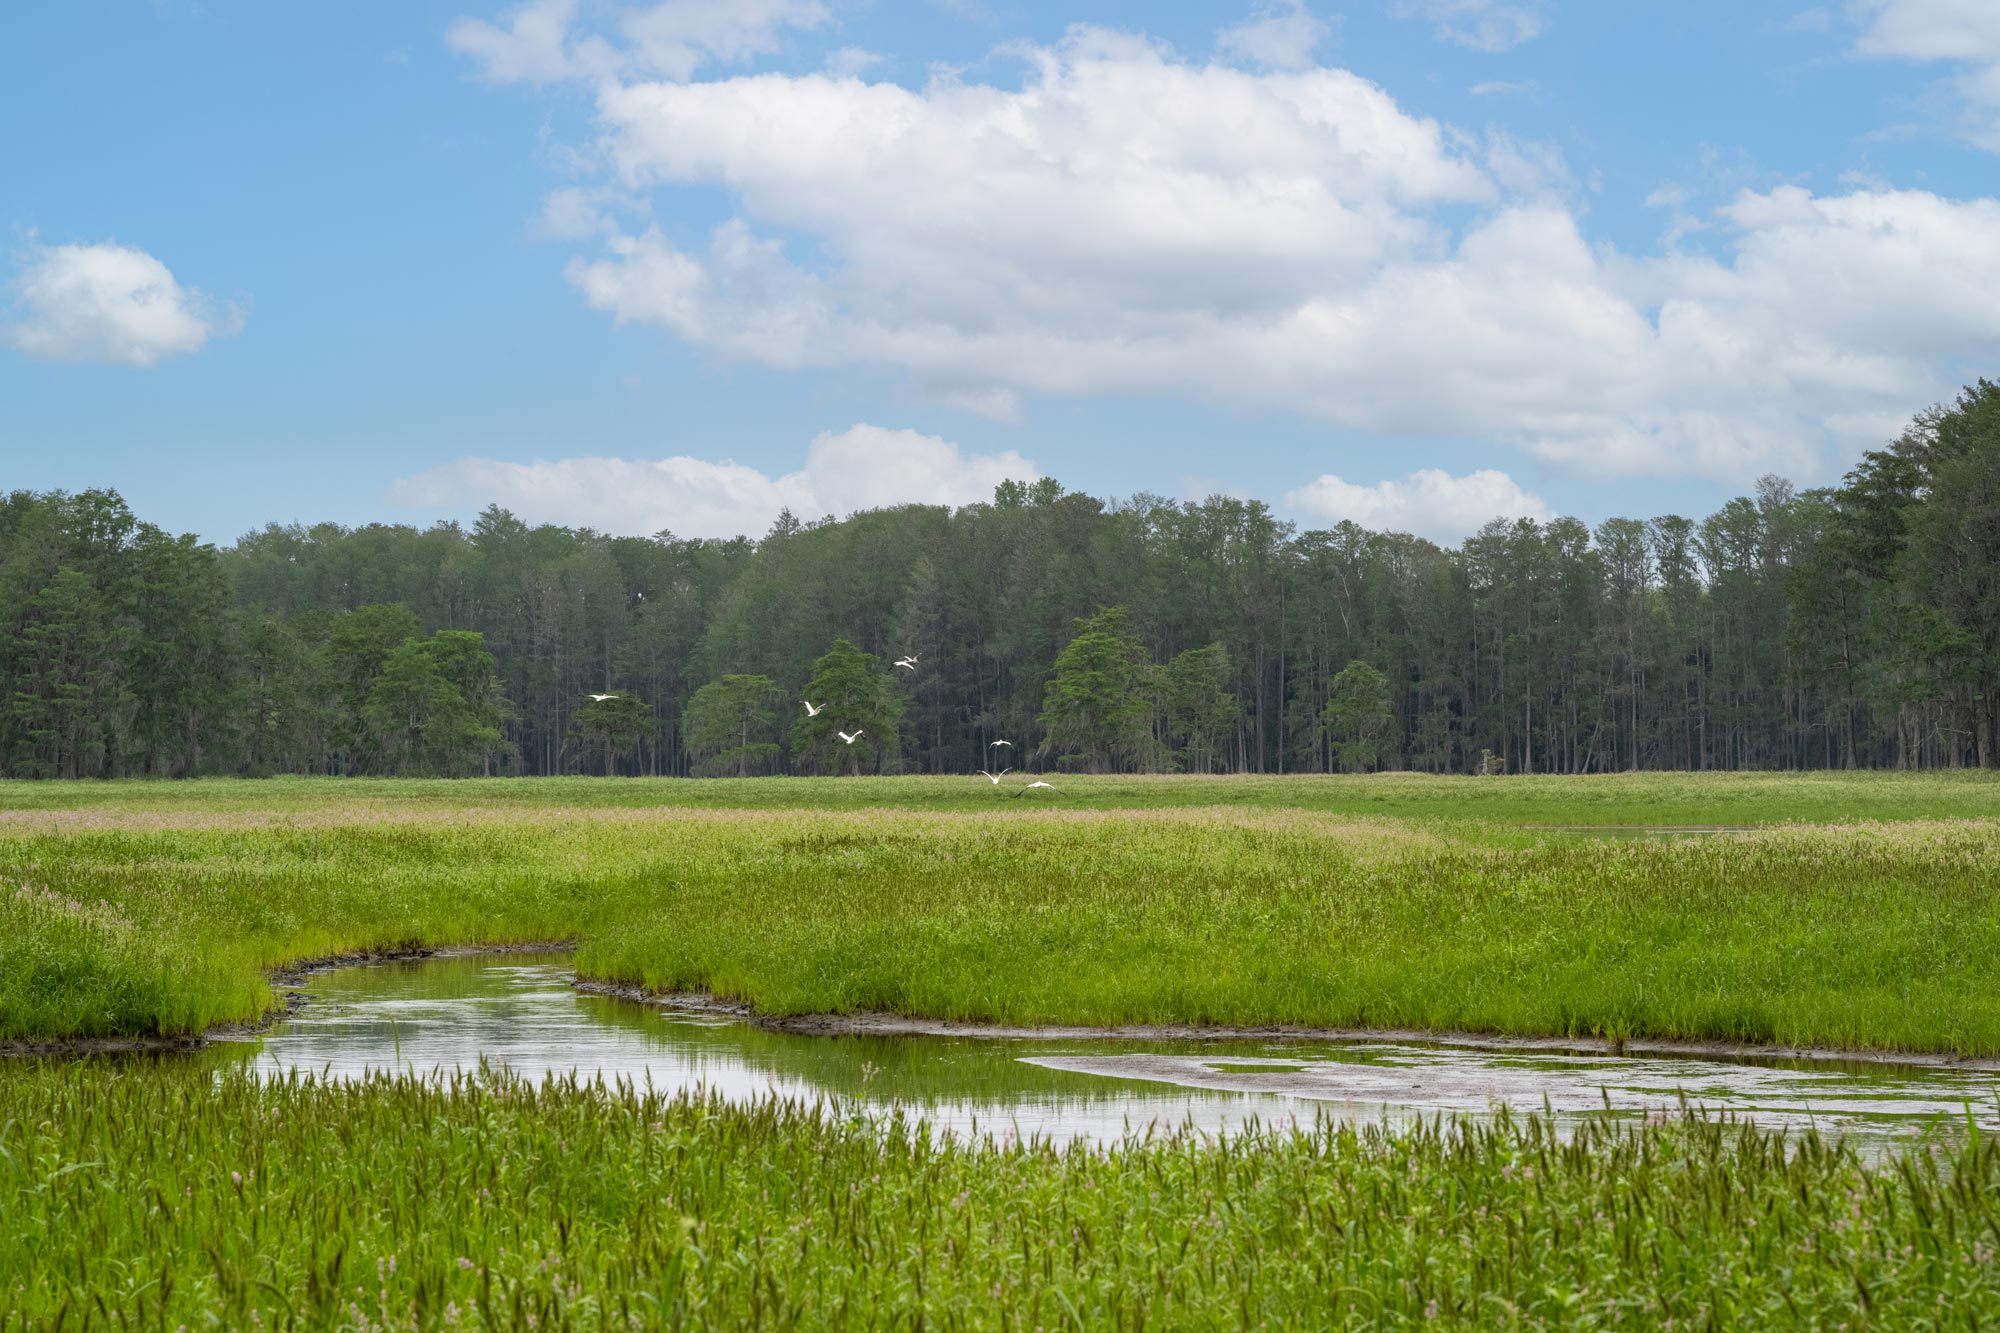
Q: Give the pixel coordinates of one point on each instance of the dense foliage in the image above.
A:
(1848, 627)
(164, 1198)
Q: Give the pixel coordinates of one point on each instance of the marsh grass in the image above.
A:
(163, 916)
(136, 1196)
(1623, 798)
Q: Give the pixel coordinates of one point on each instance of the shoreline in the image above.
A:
(290, 1001)
(876, 1023)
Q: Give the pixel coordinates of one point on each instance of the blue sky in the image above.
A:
(651, 265)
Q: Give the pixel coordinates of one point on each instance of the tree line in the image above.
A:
(1850, 626)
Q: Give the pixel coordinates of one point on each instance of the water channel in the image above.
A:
(522, 1011)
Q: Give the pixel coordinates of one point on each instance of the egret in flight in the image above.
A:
(907, 663)
(846, 739)
(994, 745)
(994, 778)
(600, 698)
(810, 710)
(1032, 785)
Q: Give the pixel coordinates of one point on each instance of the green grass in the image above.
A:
(162, 1198)
(1633, 798)
(158, 909)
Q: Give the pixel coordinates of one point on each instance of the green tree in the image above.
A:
(359, 646)
(619, 724)
(1095, 714)
(436, 707)
(723, 717)
(1201, 709)
(1358, 717)
(183, 647)
(68, 701)
(1952, 563)
(283, 695)
(475, 733)
(852, 694)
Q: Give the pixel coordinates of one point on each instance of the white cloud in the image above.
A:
(1122, 198)
(1429, 502)
(1929, 29)
(1964, 33)
(531, 45)
(851, 62)
(862, 467)
(1125, 220)
(1483, 25)
(578, 213)
(1504, 88)
(107, 302)
(540, 41)
(1283, 35)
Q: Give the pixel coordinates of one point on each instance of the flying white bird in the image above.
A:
(1032, 785)
(995, 744)
(810, 710)
(847, 739)
(994, 778)
(600, 698)
(907, 663)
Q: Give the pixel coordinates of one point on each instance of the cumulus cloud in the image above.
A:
(540, 41)
(1483, 25)
(1429, 502)
(107, 302)
(1282, 36)
(862, 467)
(1963, 33)
(1126, 220)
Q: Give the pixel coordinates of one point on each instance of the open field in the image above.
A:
(1625, 798)
(160, 1198)
(159, 909)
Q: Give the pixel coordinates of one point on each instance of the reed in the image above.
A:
(161, 1196)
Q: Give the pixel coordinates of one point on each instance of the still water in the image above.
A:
(521, 1011)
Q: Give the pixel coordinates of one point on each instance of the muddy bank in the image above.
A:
(875, 1024)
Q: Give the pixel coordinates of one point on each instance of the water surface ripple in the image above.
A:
(521, 1011)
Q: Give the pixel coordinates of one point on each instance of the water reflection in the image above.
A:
(445, 1014)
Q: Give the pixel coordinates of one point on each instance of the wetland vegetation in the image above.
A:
(1859, 912)
(159, 1197)
(159, 909)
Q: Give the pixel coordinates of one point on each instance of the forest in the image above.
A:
(1855, 626)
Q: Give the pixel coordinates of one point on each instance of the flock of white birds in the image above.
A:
(906, 663)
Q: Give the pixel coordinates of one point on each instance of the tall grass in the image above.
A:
(122, 921)
(160, 1198)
